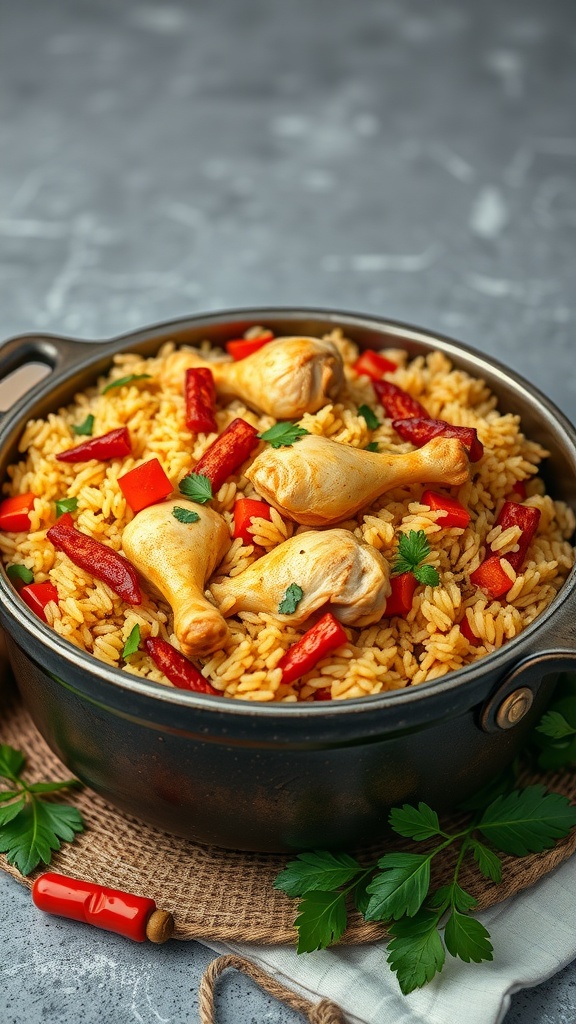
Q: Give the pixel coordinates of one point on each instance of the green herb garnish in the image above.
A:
(184, 515)
(84, 428)
(369, 415)
(66, 505)
(291, 599)
(133, 642)
(424, 922)
(412, 550)
(372, 447)
(19, 574)
(125, 380)
(197, 487)
(282, 435)
(30, 827)
(554, 738)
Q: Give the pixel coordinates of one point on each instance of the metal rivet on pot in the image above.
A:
(513, 709)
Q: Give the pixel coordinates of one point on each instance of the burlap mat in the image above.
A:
(221, 894)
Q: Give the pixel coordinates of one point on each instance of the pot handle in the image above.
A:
(515, 694)
(55, 352)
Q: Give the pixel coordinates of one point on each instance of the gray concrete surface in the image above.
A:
(391, 156)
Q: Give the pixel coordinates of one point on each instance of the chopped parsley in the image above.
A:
(291, 599)
(372, 447)
(66, 505)
(413, 548)
(125, 380)
(197, 487)
(369, 415)
(84, 428)
(282, 435)
(184, 515)
(19, 573)
(133, 642)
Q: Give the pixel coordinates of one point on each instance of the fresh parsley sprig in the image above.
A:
(283, 435)
(413, 548)
(31, 827)
(424, 923)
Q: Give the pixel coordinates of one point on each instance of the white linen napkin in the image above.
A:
(533, 934)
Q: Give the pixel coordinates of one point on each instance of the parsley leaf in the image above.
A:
(415, 823)
(416, 952)
(291, 599)
(197, 487)
(321, 921)
(316, 870)
(488, 863)
(133, 642)
(372, 447)
(372, 421)
(413, 548)
(527, 820)
(19, 573)
(400, 887)
(31, 828)
(467, 939)
(121, 381)
(555, 725)
(84, 428)
(66, 505)
(283, 434)
(185, 515)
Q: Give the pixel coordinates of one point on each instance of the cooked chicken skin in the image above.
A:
(318, 481)
(329, 566)
(178, 558)
(285, 378)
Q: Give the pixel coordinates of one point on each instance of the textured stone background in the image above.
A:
(401, 157)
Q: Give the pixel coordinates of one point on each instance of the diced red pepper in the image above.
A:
(145, 485)
(15, 512)
(401, 594)
(178, 669)
(109, 909)
(98, 559)
(200, 398)
(519, 489)
(456, 514)
(491, 577)
(396, 402)
(227, 453)
(527, 518)
(466, 630)
(38, 595)
(310, 648)
(245, 510)
(239, 348)
(420, 430)
(114, 445)
(373, 364)
(324, 694)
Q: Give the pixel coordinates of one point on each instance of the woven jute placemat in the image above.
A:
(219, 894)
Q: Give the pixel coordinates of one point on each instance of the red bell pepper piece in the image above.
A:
(396, 402)
(519, 489)
(239, 348)
(98, 559)
(466, 630)
(145, 485)
(491, 577)
(245, 510)
(114, 445)
(178, 669)
(401, 594)
(310, 648)
(38, 595)
(456, 515)
(373, 364)
(323, 694)
(15, 512)
(527, 518)
(200, 398)
(227, 453)
(110, 909)
(419, 430)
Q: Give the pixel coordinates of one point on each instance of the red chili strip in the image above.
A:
(38, 595)
(113, 445)
(239, 348)
(200, 399)
(373, 364)
(310, 648)
(110, 909)
(527, 518)
(491, 577)
(419, 430)
(227, 453)
(15, 512)
(401, 594)
(178, 669)
(396, 402)
(98, 559)
(456, 514)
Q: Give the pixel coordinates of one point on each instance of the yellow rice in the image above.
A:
(389, 655)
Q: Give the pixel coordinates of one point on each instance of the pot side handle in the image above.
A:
(53, 351)
(514, 695)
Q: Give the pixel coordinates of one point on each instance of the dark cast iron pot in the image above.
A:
(279, 777)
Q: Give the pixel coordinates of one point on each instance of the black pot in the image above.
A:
(276, 777)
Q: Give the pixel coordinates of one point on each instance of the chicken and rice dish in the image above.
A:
(284, 519)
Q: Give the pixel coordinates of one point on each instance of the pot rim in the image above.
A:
(12, 607)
